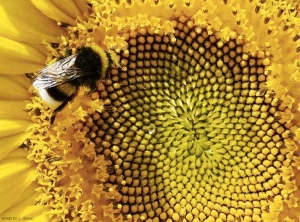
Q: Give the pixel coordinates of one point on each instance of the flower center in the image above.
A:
(192, 128)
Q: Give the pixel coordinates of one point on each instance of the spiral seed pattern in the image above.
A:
(192, 129)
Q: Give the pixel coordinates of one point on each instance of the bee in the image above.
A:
(58, 83)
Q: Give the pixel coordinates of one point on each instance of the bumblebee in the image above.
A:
(59, 82)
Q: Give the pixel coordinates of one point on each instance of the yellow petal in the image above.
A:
(25, 206)
(61, 11)
(10, 127)
(28, 197)
(14, 87)
(17, 173)
(18, 153)
(13, 109)
(21, 80)
(82, 6)
(21, 21)
(14, 120)
(30, 213)
(10, 143)
(69, 7)
(17, 58)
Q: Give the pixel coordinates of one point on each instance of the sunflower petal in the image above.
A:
(21, 80)
(81, 5)
(69, 7)
(31, 213)
(36, 28)
(16, 175)
(25, 206)
(10, 143)
(13, 109)
(28, 197)
(13, 117)
(56, 11)
(14, 87)
(12, 126)
(13, 53)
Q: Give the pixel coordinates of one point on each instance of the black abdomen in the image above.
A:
(62, 92)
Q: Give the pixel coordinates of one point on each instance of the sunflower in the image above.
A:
(198, 120)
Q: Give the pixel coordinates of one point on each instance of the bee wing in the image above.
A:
(62, 71)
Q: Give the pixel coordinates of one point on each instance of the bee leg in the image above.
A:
(52, 118)
(58, 109)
